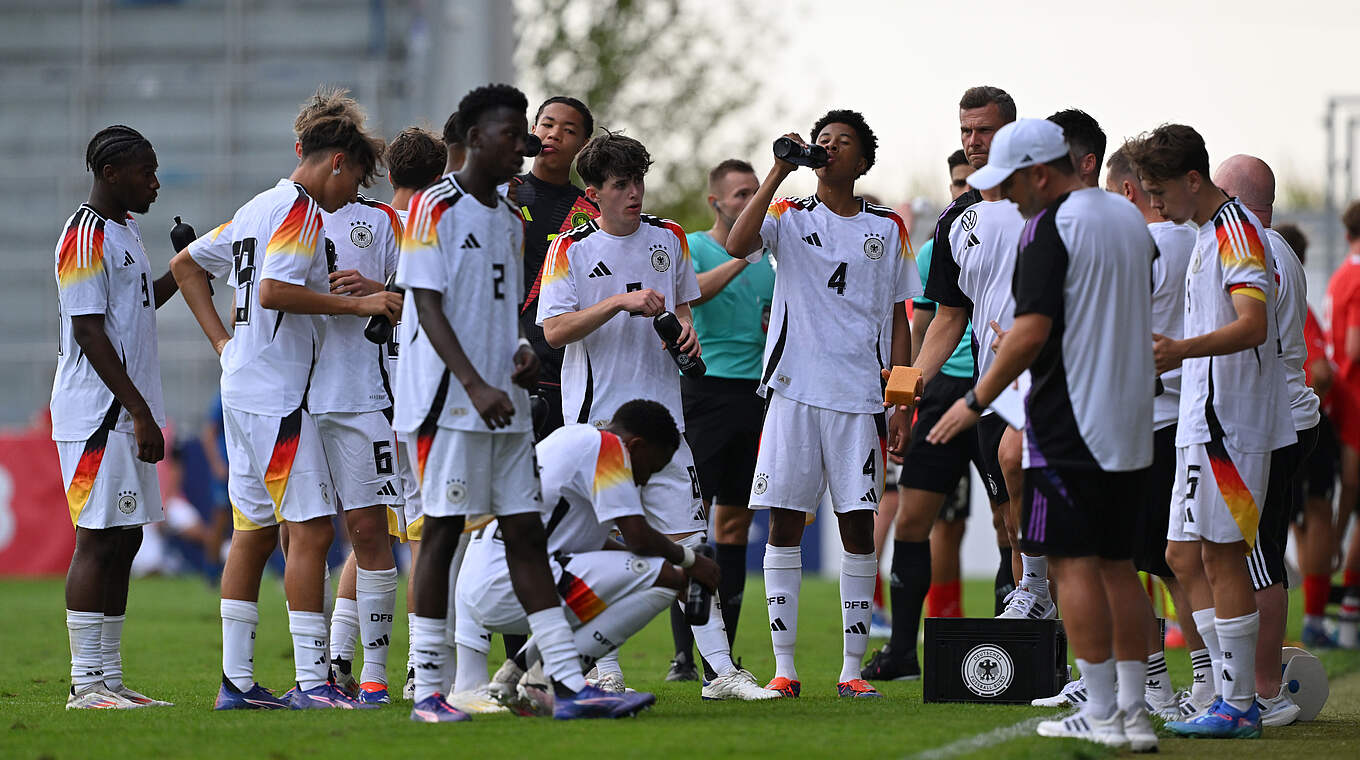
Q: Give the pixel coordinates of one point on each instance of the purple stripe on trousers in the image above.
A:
(1038, 515)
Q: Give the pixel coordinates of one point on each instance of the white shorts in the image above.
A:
(277, 469)
(464, 473)
(361, 451)
(587, 583)
(803, 449)
(671, 499)
(1217, 498)
(410, 488)
(107, 486)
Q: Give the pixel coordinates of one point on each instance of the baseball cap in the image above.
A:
(1019, 145)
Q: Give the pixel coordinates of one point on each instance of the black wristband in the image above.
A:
(970, 400)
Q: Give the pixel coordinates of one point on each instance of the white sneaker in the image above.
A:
(739, 684)
(611, 683)
(1190, 707)
(98, 697)
(1074, 694)
(1278, 711)
(1167, 710)
(1138, 730)
(504, 683)
(142, 700)
(1079, 725)
(478, 701)
(408, 692)
(1023, 603)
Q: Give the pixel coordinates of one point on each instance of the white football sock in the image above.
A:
(783, 577)
(87, 656)
(471, 671)
(239, 620)
(1202, 663)
(1130, 685)
(609, 663)
(430, 652)
(1204, 623)
(1157, 683)
(1035, 569)
(711, 640)
(377, 598)
(472, 647)
(311, 662)
(110, 644)
(1099, 678)
(1237, 677)
(605, 632)
(327, 597)
(859, 572)
(561, 661)
(410, 637)
(344, 628)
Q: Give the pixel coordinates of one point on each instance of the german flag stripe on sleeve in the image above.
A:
(555, 264)
(297, 234)
(427, 208)
(1238, 242)
(82, 249)
(612, 468)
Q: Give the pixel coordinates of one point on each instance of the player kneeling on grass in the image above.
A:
(106, 407)
(845, 268)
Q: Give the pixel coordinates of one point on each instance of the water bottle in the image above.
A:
(698, 600)
(379, 329)
(811, 156)
(668, 327)
(181, 235)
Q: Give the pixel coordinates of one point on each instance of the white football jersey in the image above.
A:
(836, 282)
(1291, 310)
(276, 236)
(351, 373)
(1174, 244)
(623, 359)
(587, 482)
(393, 348)
(471, 255)
(101, 268)
(983, 241)
(1241, 397)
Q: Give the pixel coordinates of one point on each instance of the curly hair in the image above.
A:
(115, 145)
(1168, 152)
(612, 155)
(648, 420)
(478, 102)
(415, 158)
(868, 143)
(332, 120)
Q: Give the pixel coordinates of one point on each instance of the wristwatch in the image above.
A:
(970, 400)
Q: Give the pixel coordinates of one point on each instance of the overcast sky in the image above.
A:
(1252, 76)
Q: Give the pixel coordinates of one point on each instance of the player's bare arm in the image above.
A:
(193, 284)
(88, 331)
(492, 403)
(1022, 345)
(1247, 331)
(714, 280)
(300, 299)
(899, 425)
(526, 371)
(941, 338)
(744, 239)
(164, 288)
(575, 325)
(644, 540)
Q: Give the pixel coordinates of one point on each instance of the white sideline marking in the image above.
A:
(981, 741)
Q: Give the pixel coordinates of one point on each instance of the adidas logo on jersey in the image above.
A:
(813, 240)
(778, 625)
(388, 489)
(127, 259)
(600, 270)
(870, 496)
(859, 628)
(972, 241)
(470, 242)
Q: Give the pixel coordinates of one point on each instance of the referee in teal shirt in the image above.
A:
(723, 414)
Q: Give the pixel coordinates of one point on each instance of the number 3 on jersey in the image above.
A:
(837, 281)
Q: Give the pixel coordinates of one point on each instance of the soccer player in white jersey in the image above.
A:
(106, 406)
(970, 279)
(273, 249)
(845, 271)
(1234, 411)
(1252, 182)
(601, 285)
(1081, 280)
(461, 399)
(1174, 242)
(350, 398)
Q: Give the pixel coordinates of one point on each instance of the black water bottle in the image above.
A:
(668, 327)
(811, 156)
(698, 600)
(379, 329)
(181, 235)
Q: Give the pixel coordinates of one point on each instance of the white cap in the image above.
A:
(1018, 145)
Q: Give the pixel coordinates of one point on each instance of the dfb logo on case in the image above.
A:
(987, 670)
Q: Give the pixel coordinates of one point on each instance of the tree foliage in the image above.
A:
(678, 77)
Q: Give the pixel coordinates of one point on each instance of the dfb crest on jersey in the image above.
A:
(969, 220)
(762, 483)
(456, 491)
(987, 670)
(360, 233)
(661, 259)
(873, 247)
(127, 502)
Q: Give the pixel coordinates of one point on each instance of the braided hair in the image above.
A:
(114, 145)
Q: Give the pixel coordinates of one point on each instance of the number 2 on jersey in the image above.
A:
(837, 281)
(498, 281)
